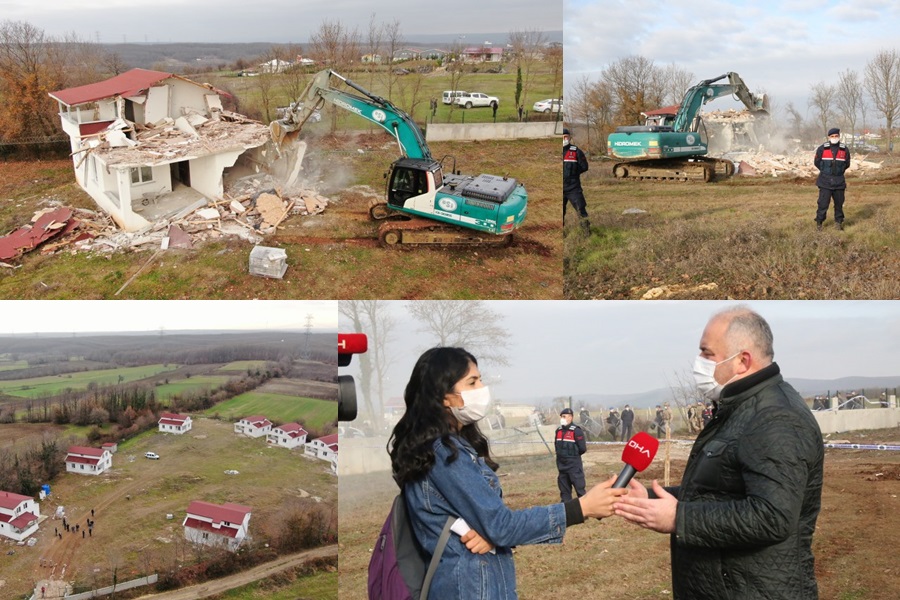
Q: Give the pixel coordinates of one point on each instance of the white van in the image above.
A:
(450, 95)
(151, 455)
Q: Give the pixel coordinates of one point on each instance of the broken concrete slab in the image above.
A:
(208, 213)
(268, 262)
(178, 238)
(237, 207)
(270, 207)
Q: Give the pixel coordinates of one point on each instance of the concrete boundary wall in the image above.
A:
(443, 132)
(114, 588)
(840, 421)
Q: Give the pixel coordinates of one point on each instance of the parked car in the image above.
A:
(151, 455)
(548, 105)
(449, 95)
(476, 99)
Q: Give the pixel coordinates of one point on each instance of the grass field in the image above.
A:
(133, 535)
(40, 386)
(277, 408)
(751, 238)
(614, 560)
(9, 365)
(321, 586)
(165, 391)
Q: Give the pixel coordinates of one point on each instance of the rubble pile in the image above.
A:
(187, 136)
(796, 164)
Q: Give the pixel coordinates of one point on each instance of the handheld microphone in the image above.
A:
(350, 344)
(637, 456)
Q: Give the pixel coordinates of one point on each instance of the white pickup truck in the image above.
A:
(476, 99)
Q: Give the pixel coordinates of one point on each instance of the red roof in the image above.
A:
(328, 439)
(130, 83)
(257, 421)
(20, 522)
(10, 500)
(109, 445)
(172, 419)
(334, 447)
(292, 429)
(97, 452)
(207, 526)
(665, 110)
(232, 513)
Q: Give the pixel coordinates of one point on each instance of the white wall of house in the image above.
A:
(245, 428)
(207, 538)
(13, 533)
(278, 438)
(81, 468)
(166, 428)
(206, 172)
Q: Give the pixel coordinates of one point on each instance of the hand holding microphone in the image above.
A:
(657, 514)
(600, 500)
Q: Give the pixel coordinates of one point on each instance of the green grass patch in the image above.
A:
(12, 365)
(51, 385)
(277, 407)
(320, 586)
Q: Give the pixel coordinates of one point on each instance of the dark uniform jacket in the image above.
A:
(574, 164)
(832, 160)
(749, 498)
(570, 445)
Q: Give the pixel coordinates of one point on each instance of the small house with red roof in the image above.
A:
(223, 525)
(88, 461)
(149, 144)
(290, 435)
(113, 447)
(253, 426)
(324, 447)
(19, 516)
(174, 423)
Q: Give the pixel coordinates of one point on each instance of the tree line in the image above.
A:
(635, 84)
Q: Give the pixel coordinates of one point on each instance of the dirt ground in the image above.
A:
(332, 255)
(745, 237)
(853, 544)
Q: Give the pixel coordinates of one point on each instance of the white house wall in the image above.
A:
(157, 105)
(206, 172)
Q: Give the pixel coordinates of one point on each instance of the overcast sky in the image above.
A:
(277, 21)
(573, 348)
(781, 47)
(31, 316)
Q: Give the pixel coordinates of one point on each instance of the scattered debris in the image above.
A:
(634, 211)
(231, 472)
(796, 164)
(47, 224)
(667, 291)
(268, 262)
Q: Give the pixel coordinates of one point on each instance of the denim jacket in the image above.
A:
(468, 488)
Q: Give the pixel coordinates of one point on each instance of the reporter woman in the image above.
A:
(443, 464)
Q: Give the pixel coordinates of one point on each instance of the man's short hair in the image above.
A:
(747, 328)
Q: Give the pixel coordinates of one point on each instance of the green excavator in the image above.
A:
(679, 151)
(423, 204)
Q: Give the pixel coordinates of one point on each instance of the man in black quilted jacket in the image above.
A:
(742, 520)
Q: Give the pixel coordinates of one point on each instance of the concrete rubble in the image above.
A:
(255, 212)
(796, 164)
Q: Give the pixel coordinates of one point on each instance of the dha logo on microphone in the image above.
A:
(639, 448)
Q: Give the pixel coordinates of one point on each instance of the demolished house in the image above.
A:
(148, 144)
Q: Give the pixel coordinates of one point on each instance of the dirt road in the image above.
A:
(218, 586)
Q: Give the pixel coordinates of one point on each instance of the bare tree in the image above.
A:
(393, 41)
(554, 59)
(883, 83)
(821, 101)
(469, 324)
(410, 93)
(336, 46)
(456, 67)
(374, 48)
(849, 98)
(373, 318)
(527, 49)
(637, 85)
(676, 82)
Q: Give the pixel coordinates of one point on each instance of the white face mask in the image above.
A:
(563, 422)
(475, 405)
(704, 376)
(565, 141)
(834, 140)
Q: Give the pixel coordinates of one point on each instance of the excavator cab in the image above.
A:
(408, 179)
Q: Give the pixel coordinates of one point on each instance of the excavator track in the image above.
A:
(425, 232)
(703, 169)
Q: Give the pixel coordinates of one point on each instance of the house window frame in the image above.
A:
(141, 175)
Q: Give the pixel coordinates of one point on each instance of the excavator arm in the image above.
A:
(375, 109)
(708, 90)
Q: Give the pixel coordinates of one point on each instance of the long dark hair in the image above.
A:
(425, 420)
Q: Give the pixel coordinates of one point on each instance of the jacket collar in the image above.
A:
(736, 391)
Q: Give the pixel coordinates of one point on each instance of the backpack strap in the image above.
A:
(436, 557)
